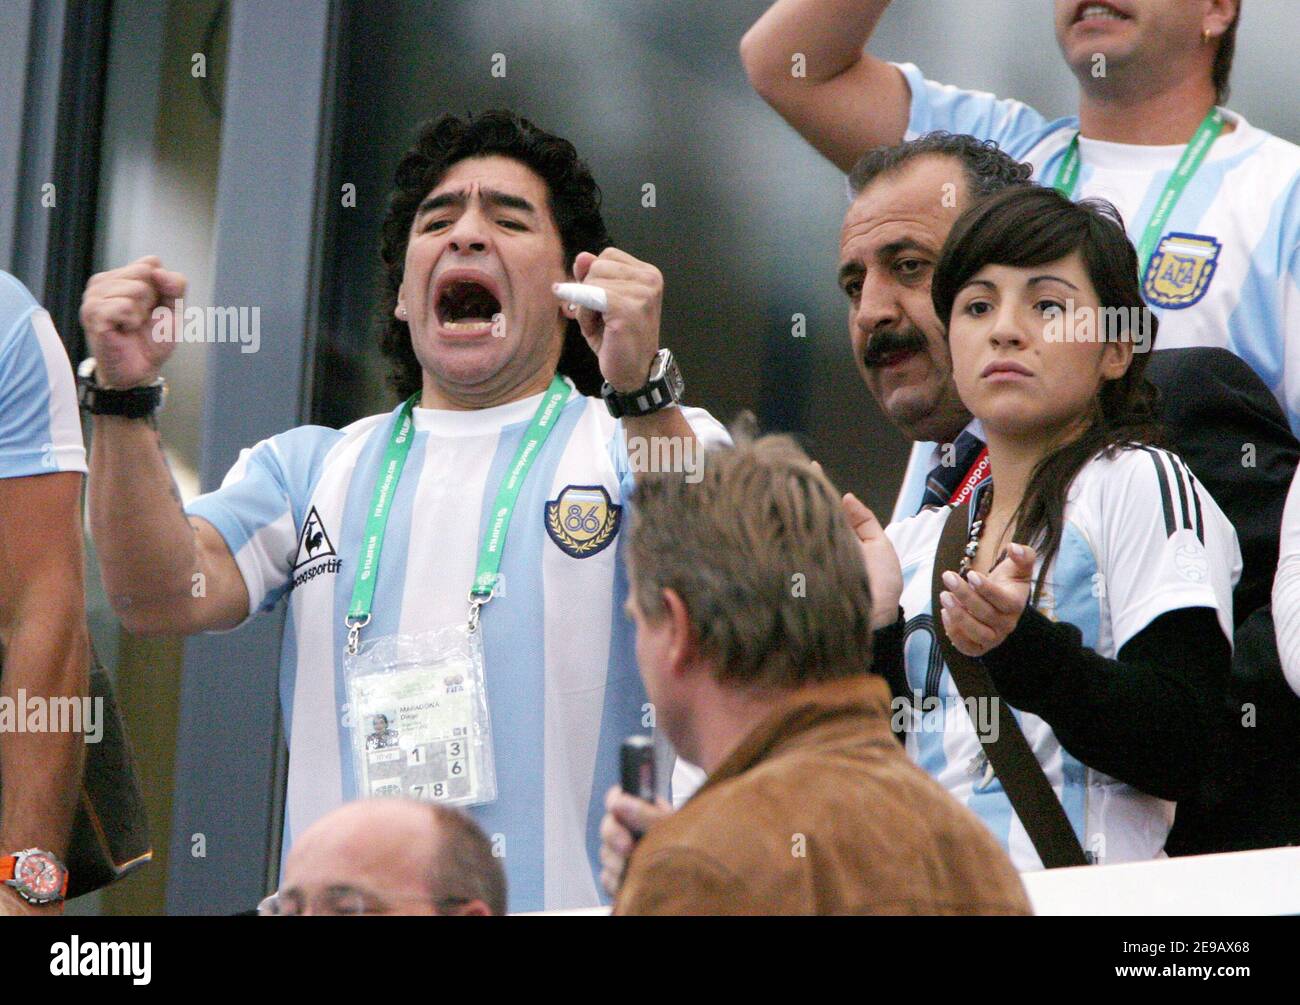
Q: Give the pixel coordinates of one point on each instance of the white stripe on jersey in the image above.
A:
(572, 720)
(66, 447)
(1149, 557)
(314, 781)
(40, 424)
(562, 681)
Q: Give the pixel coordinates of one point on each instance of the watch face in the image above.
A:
(40, 875)
(675, 381)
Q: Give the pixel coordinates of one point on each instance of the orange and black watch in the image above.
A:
(37, 875)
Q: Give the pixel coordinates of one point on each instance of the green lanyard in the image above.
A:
(490, 551)
(1067, 177)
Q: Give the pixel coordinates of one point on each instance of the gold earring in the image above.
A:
(1205, 36)
(401, 313)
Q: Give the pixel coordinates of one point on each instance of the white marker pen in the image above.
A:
(584, 295)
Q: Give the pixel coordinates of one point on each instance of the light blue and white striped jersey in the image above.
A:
(40, 426)
(562, 680)
(1141, 538)
(1226, 271)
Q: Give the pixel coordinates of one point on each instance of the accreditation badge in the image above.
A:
(418, 717)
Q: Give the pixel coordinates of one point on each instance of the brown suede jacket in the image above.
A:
(819, 811)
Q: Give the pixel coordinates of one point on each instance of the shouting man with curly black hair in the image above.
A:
(455, 565)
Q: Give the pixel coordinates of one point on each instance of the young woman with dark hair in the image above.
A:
(1097, 590)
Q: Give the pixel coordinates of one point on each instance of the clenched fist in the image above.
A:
(625, 817)
(129, 343)
(625, 337)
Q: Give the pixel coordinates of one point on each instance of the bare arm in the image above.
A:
(666, 424)
(46, 655)
(842, 100)
(164, 573)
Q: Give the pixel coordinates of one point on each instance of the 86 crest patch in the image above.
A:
(582, 520)
(1180, 270)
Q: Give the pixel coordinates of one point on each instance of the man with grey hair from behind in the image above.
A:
(905, 200)
(391, 856)
(753, 615)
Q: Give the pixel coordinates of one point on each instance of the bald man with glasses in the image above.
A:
(391, 856)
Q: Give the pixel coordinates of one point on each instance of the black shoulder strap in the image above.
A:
(1008, 751)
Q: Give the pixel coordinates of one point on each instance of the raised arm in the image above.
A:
(164, 573)
(625, 337)
(805, 58)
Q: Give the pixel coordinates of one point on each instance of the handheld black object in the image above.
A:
(637, 767)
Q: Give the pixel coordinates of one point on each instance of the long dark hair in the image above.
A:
(1023, 227)
(574, 202)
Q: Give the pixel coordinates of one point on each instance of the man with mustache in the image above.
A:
(1212, 202)
(487, 506)
(906, 199)
(1214, 405)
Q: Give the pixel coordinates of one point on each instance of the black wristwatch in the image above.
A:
(665, 387)
(130, 402)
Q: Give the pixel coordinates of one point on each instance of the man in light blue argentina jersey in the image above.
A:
(43, 642)
(1214, 207)
(489, 213)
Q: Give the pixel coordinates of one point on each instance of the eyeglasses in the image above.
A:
(349, 901)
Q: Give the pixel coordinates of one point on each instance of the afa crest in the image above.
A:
(1180, 270)
(582, 520)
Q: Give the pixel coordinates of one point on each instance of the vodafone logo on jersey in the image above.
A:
(973, 480)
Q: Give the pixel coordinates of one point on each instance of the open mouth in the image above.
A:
(466, 305)
(1094, 11)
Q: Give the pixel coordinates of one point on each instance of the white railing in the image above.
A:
(1244, 882)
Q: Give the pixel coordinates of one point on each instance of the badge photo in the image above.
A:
(1180, 270)
(582, 520)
